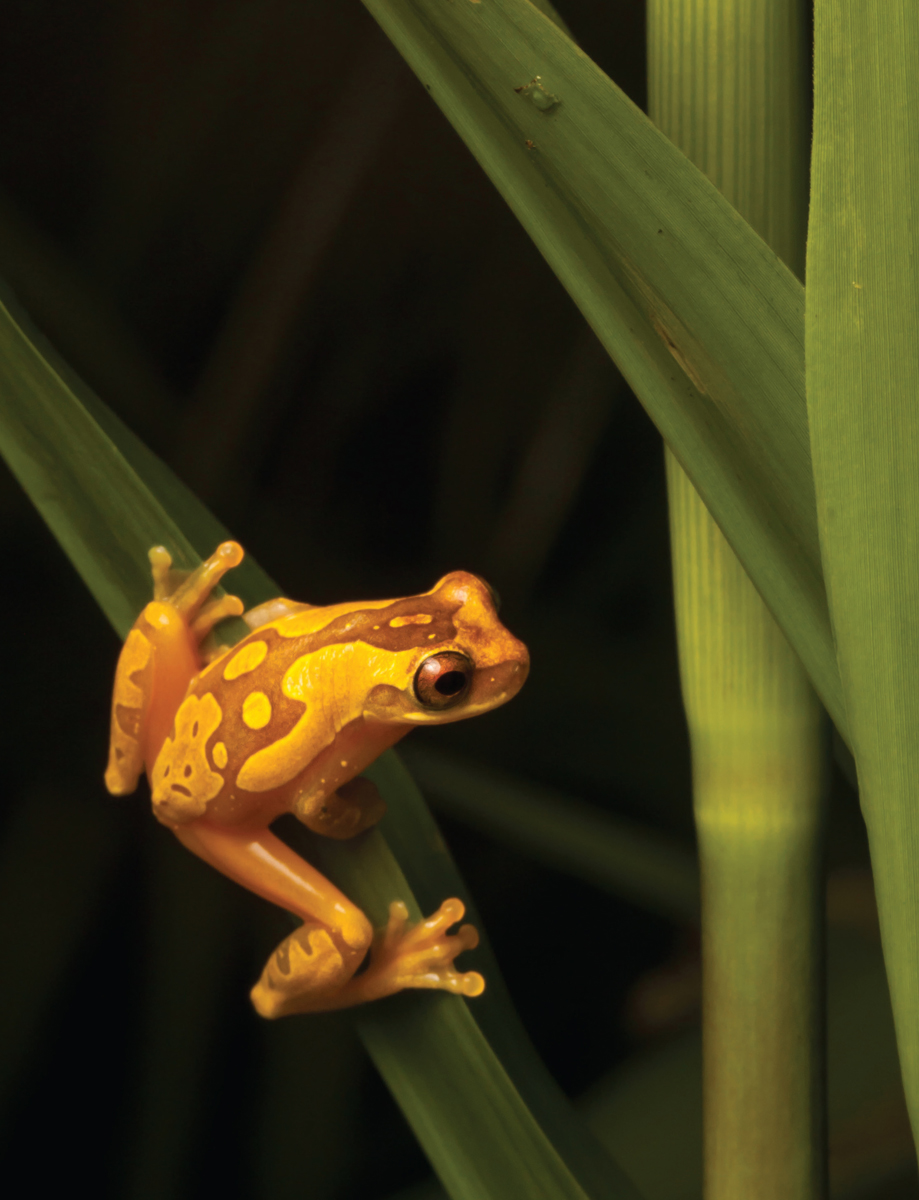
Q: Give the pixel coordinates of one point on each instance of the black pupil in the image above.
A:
(450, 683)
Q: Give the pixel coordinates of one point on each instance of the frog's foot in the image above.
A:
(211, 614)
(165, 580)
(190, 591)
(312, 971)
(302, 973)
(420, 956)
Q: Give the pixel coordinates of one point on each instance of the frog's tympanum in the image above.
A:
(285, 721)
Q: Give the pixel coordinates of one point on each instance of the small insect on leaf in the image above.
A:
(537, 95)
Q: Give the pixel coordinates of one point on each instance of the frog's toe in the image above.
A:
(438, 923)
(422, 956)
(308, 961)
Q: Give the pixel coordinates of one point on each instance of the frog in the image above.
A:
(285, 721)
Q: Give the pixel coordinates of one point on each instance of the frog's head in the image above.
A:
(463, 661)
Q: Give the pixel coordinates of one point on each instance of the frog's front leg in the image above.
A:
(351, 808)
(314, 968)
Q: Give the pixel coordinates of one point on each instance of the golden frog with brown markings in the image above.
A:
(285, 721)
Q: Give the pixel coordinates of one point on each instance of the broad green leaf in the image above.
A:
(489, 1124)
(863, 400)
(702, 318)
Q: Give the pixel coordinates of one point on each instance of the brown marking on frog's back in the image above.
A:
(372, 626)
(239, 738)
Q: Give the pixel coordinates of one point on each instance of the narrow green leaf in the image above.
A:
(485, 1122)
(702, 318)
(863, 400)
(107, 535)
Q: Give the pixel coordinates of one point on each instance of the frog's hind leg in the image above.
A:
(314, 969)
(309, 969)
(403, 955)
(161, 654)
(130, 702)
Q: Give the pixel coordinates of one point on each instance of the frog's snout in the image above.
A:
(502, 682)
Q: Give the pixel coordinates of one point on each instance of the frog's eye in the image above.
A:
(443, 679)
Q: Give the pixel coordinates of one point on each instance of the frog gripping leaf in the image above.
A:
(285, 721)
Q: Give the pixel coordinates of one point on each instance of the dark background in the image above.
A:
(253, 234)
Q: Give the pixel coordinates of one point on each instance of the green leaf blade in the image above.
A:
(702, 318)
(863, 384)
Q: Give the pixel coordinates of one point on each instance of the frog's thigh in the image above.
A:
(264, 864)
(156, 663)
(130, 701)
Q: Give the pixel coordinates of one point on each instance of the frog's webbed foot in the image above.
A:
(312, 972)
(311, 968)
(421, 956)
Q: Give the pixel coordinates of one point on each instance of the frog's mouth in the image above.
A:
(489, 687)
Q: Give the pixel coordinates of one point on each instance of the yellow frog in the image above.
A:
(285, 721)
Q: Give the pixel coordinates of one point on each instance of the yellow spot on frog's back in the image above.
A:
(183, 782)
(414, 619)
(251, 656)
(219, 755)
(256, 710)
(277, 763)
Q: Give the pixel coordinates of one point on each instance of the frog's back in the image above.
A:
(256, 719)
